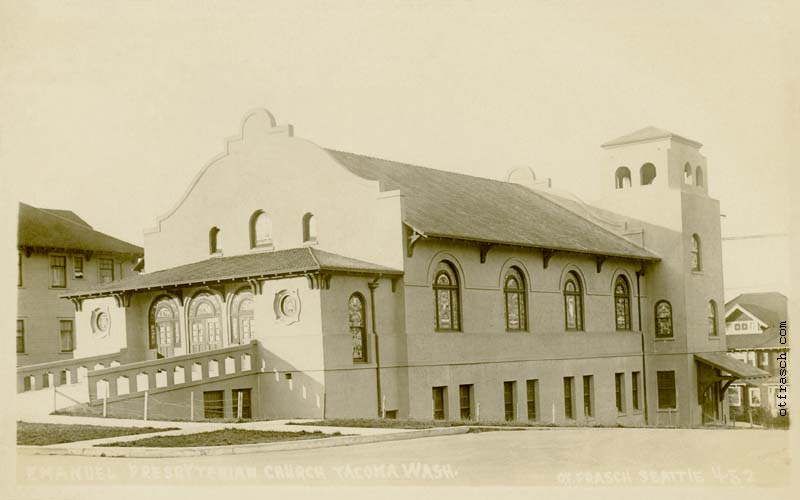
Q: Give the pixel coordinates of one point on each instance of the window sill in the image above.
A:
(517, 331)
(216, 254)
(310, 242)
(713, 337)
(672, 339)
(447, 331)
(698, 272)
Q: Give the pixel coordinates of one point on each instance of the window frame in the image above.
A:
(61, 331)
(20, 281)
(510, 400)
(658, 319)
(588, 396)
(619, 392)
(247, 403)
(569, 397)
(666, 394)
(713, 319)
(362, 327)
(454, 291)
(78, 267)
(696, 253)
(577, 295)
(308, 237)
(215, 411)
(266, 239)
(213, 241)
(468, 390)
(531, 393)
(101, 268)
(20, 335)
(440, 390)
(635, 392)
(53, 266)
(521, 293)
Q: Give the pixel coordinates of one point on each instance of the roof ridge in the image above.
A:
(488, 179)
(314, 257)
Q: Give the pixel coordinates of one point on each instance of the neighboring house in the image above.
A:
(296, 281)
(58, 252)
(752, 329)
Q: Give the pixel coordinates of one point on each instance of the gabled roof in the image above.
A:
(649, 134)
(769, 308)
(64, 230)
(450, 205)
(281, 263)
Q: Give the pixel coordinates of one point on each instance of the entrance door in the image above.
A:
(164, 333)
(205, 324)
(711, 403)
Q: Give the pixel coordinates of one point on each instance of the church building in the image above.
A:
(294, 281)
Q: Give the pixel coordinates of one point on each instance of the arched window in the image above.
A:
(214, 241)
(164, 326)
(698, 177)
(712, 318)
(687, 174)
(260, 229)
(205, 326)
(695, 253)
(573, 302)
(622, 304)
(514, 289)
(446, 293)
(358, 327)
(309, 228)
(623, 177)
(663, 320)
(243, 324)
(647, 174)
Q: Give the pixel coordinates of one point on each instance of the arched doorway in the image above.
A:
(205, 325)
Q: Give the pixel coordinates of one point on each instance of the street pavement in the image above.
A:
(683, 458)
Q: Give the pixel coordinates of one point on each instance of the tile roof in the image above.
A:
(648, 134)
(731, 365)
(754, 341)
(451, 205)
(64, 230)
(238, 267)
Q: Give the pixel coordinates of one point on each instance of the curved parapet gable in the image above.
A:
(265, 168)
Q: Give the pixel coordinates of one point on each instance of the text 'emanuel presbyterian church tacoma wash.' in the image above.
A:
(296, 281)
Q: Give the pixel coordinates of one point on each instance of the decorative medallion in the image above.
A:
(287, 306)
(100, 322)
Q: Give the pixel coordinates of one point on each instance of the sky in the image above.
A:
(111, 108)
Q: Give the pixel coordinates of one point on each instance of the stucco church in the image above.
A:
(292, 280)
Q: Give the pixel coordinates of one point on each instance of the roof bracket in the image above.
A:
(88, 255)
(220, 289)
(256, 286)
(599, 259)
(412, 240)
(318, 281)
(484, 249)
(395, 281)
(123, 299)
(547, 254)
(78, 303)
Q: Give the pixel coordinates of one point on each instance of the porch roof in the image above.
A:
(731, 365)
(262, 265)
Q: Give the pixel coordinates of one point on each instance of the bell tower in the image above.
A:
(659, 180)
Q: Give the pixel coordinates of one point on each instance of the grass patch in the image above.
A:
(44, 434)
(223, 437)
(408, 424)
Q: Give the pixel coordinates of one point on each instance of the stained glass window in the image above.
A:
(573, 302)
(663, 320)
(622, 304)
(164, 323)
(358, 333)
(446, 292)
(515, 301)
(712, 318)
(694, 252)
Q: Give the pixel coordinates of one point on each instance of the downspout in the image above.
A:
(372, 286)
(639, 273)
